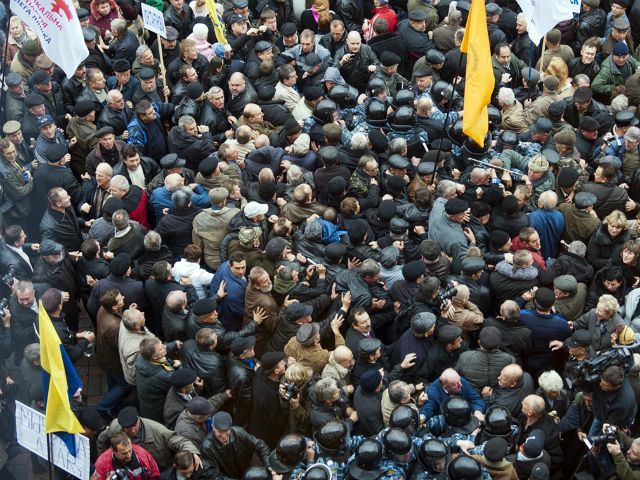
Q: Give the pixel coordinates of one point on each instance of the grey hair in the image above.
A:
(325, 389)
(105, 168)
(129, 319)
(578, 248)
(181, 198)
(522, 18)
(32, 353)
(369, 268)
(120, 182)
(24, 286)
(152, 241)
(141, 50)
(510, 311)
(582, 79)
(548, 200)
(359, 141)
(214, 91)
(120, 219)
(295, 176)
(398, 145)
(118, 25)
(445, 187)
(506, 96)
(185, 121)
(550, 381)
(397, 391)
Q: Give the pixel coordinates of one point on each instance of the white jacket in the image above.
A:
(200, 278)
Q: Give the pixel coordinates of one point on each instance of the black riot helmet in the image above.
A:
(324, 110)
(470, 149)
(397, 444)
(343, 96)
(257, 473)
(464, 467)
(507, 140)
(288, 453)
(441, 90)
(432, 455)
(455, 133)
(404, 417)
(375, 112)
(317, 471)
(403, 97)
(495, 117)
(498, 421)
(404, 117)
(332, 436)
(458, 415)
(376, 86)
(366, 465)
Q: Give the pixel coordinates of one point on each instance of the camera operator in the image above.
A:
(125, 461)
(627, 465)
(613, 401)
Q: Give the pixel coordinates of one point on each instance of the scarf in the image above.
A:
(22, 38)
(283, 286)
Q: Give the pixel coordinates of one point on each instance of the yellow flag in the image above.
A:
(59, 379)
(218, 26)
(479, 78)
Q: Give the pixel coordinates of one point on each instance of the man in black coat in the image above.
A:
(180, 16)
(591, 23)
(582, 104)
(118, 278)
(385, 41)
(366, 401)
(188, 56)
(496, 35)
(241, 367)
(232, 448)
(14, 253)
(190, 142)
(213, 114)
(116, 113)
(241, 93)
(60, 223)
(269, 416)
(55, 174)
(516, 337)
(23, 306)
(200, 355)
(75, 344)
(416, 40)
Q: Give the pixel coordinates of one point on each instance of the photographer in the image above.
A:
(613, 401)
(125, 461)
(628, 464)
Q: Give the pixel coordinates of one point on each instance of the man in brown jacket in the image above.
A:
(211, 225)
(305, 346)
(258, 294)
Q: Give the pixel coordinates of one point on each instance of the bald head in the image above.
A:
(176, 300)
(510, 376)
(450, 380)
(532, 406)
(343, 356)
(173, 181)
(510, 311)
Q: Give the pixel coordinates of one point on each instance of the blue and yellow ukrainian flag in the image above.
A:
(59, 382)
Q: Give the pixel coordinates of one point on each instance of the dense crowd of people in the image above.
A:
(294, 262)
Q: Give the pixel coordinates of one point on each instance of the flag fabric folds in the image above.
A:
(479, 79)
(57, 26)
(218, 26)
(542, 16)
(60, 381)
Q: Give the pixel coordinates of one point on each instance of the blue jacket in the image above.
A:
(233, 303)
(549, 224)
(544, 328)
(161, 198)
(437, 396)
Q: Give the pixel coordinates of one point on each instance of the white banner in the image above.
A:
(153, 20)
(56, 24)
(543, 15)
(30, 431)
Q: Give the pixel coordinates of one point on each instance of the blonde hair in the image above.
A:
(298, 374)
(558, 68)
(324, 15)
(616, 219)
(608, 303)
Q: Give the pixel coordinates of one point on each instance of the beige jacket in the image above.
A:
(129, 347)
(314, 357)
(287, 95)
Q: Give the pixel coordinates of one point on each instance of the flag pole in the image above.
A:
(3, 94)
(163, 73)
(50, 456)
(446, 118)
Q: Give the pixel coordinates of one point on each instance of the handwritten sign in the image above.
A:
(31, 435)
(153, 20)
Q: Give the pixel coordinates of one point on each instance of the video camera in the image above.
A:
(589, 372)
(609, 435)
(447, 294)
